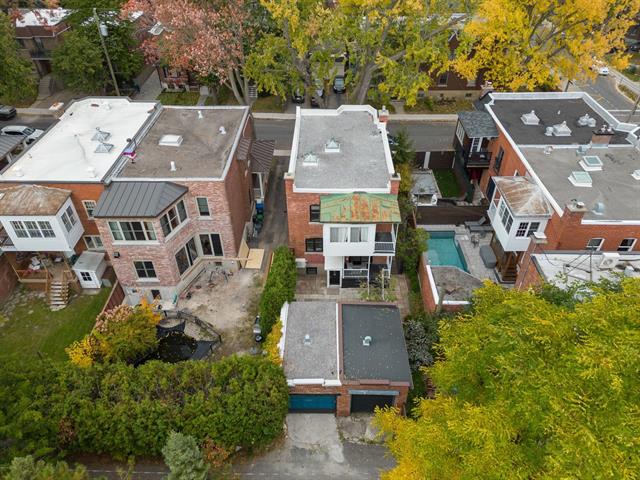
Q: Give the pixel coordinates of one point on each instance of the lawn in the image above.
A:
(178, 98)
(268, 104)
(34, 328)
(429, 105)
(447, 183)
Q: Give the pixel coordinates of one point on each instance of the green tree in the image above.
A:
(17, 79)
(26, 468)
(279, 288)
(402, 151)
(529, 389)
(78, 62)
(184, 458)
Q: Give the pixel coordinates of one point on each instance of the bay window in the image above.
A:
(132, 231)
(173, 218)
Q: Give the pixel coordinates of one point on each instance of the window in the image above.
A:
(338, 234)
(505, 216)
(313, 245)
(359, 234)
(203, 206)
(45, 228)
(498, 163)
(32, 229)
(311, 270)
(443, 79)
(314, 213)
(174, 217)
(89, 206)
(93, 242)
(533, 228)
(145, 269)
(186, 256)
(211, 245)
(460, 133)
(86, 277)
(132, 231)
(18, 227)
(626, 245)
(595, 244)
(516, 173)
(522, 229)
(475, 144)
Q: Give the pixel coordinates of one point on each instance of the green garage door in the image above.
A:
(299, 403)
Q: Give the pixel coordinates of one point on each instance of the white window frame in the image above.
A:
(460, 133)
(32, 229)
(206, 202)
(90, 242)
(476, 144)
(89, 209)
(521, 230)
(341, 233)
(115, 226)
(173, 214)
(595, 248)
(627, 248)
(84, 274)
(362, 234)
(19, 229)
(444, 75)
(505, 216)
(533, 230)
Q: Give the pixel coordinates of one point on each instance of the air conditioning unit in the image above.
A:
(609, 260)
(301, 262)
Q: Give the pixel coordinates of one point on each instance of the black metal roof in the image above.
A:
(137, 199)
(386, 357)
(261, 154)
(478, 124)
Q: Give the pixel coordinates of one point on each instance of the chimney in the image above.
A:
(602, 136)
(172, 166)
(487, 87)
(383, 114)
(366, 341)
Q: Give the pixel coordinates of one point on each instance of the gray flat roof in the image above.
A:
(204, 150)
(550, 112)
(613, 186)
(318, 360)
(424, 182)
(359, 165)
(478, 124)
(137, 199)
(460, 285)
(386, 358)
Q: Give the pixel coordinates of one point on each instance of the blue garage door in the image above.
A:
(312, 403)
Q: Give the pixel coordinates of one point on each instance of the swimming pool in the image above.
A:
(444, 250)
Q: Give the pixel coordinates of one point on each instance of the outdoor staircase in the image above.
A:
(44, 87)
(253, 91)
(58, 294)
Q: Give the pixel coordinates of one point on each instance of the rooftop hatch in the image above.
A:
(580, 179)
(591, 163)
(170, 140)
(530, 118)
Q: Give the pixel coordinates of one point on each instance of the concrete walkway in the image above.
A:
(150, 89)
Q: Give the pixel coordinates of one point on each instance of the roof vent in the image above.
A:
(200, 116)
(598, 208)
(561, 130)
(310, 159)
(222, 130)
(307, 339)
(609, 260)
(548, 150)
(172, 166)
(582, 149)
(580, 179)
(91, 171)
(100, 136)
(170, 140)
(332, 146)
(106, 105)
(530, 118)
(591, 163)
(636, 174)
(366, 341)
(587, 121)
(103, 147)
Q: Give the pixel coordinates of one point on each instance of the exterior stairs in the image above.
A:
(58, 294)
(44, 87)
(253, 91)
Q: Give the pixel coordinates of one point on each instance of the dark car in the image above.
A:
(634, 48)
(7, 112)
(297, 96)
(338, 85)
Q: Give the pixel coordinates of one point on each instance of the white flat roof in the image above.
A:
(41, 17)
(67, 151)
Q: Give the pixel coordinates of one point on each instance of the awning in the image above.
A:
(261, 155)
(359, 208)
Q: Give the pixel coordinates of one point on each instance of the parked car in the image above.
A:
(338, 85)
(600, 68)
(31, 134)
(297, 96)
(7, 112)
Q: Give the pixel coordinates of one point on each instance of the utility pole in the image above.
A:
(102, 28)
(633, 110)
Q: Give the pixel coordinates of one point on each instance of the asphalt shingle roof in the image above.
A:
(137, 199)
(478, 124)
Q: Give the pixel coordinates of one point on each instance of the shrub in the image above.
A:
(279, 288)
(26, 468)
(122, 410)
(122, 334)
(184, 458)
(271, 347)
(420, 333)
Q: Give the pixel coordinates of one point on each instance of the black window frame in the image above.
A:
(145, 270)
(497, 164)
(314, 243)
(314, 213)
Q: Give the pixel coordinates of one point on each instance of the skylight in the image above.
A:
(591, 163)
(170, 140)
(310, 159)
(100, 136)
(580, 179)
(103, 147)
(332, 146)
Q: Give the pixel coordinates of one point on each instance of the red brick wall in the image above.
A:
(425, 287)
(298, 221)
(8, 278)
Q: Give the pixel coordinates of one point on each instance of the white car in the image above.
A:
(601, 69)
(31, 134)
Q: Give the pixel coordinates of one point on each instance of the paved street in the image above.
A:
(603, 90)
(35, 121)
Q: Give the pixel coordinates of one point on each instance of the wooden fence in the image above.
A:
(116, 297)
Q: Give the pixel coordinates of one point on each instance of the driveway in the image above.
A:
(314, 448)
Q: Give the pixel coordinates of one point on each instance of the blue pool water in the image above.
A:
(443, 250)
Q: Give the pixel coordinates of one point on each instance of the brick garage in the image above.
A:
(344, 357)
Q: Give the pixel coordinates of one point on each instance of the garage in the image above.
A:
(369, 402)
(312, 403)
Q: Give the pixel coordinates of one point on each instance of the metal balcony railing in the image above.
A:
(355, 273)
(384, 247)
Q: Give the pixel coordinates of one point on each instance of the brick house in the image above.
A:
(344, 358)
(181, 200)
(341, 192)
(564, 174)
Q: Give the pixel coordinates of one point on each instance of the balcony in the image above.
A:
(40, 54)
(385, 243)
(474, 159)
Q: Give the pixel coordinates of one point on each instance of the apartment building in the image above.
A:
(341, 192)
(564, 175)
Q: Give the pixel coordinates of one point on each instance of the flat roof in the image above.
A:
(41, 17)
(204, 151)
(551, 109)
(613, 187)
(424, 182)
(66, 152)
(566, 268)
(362, 160)
(137, 199)
(458, 284)
(386, 357)
(319, 359)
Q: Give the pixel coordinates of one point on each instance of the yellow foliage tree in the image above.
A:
(271, 345)
(525, 44)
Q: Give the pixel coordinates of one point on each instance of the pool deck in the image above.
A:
(475, 264)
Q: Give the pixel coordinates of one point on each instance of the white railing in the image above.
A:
(384, 247)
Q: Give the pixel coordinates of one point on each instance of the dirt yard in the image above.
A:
(229, 306)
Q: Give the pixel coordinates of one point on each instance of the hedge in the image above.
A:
(279, 288)
(121, 410)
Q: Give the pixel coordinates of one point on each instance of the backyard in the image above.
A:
(29, 328)
(447, 183)
(179, 98)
